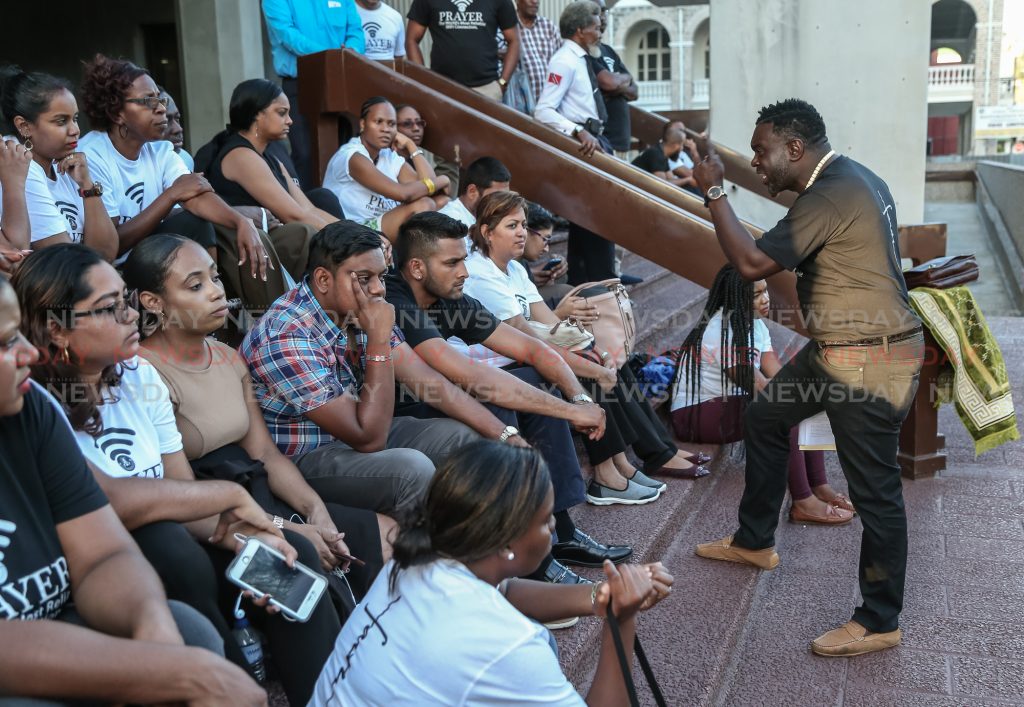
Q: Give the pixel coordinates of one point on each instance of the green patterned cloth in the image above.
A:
(974, 378)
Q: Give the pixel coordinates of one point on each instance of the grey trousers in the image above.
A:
(193, 627)
(389, 480)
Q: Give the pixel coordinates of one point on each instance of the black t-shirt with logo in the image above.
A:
(465, 317)
(652, 160)
(45, 482)
(841, 238)
(617, 129)
(463, 34)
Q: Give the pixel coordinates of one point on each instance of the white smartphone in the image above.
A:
(262, 570)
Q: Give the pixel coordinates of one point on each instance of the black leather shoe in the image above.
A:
(557, 573)
(627, 279)
(584, 551)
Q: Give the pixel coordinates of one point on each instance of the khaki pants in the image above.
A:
(288, 247)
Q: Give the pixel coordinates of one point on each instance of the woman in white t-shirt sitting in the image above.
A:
(371, 178)
(723, 361)
(448, 623)
(503, 286)
(64, 204)
(144, 180)
(78, 315)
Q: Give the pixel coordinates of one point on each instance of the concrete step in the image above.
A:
(694, 647)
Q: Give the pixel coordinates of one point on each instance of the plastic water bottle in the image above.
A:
(252, 648)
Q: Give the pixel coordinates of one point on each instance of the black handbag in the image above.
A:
(624, 664)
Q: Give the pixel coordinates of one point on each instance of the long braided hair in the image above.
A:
(734, 296)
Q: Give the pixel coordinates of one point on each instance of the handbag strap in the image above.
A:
(627, 672)
(609, 284)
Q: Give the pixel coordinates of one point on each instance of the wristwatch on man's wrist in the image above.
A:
(715, 192)
(581, 398)
(509, 431)
(96, 190)
(502, 82)
(576, 130)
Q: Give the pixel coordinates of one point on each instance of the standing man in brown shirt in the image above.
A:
(861, 366)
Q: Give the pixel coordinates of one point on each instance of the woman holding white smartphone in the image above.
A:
(77, 313)
(221, 424)
(86, 591)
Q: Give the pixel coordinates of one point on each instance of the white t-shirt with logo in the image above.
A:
(359, 203)
(384, 31)
(711, 362)
(503, 294)
(54, 205)
(129, 186)
(137, 429)
(445, 637)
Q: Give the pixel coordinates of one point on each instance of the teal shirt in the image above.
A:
(300, 27)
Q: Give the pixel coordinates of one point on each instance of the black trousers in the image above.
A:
(194, 574)
(866, 393)
(326, 200)
(549, 436)
(630, 422)
(183, 223)
(590, 257)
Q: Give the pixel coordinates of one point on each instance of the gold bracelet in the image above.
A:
(378, 359)
(593, 595)
(429, 184)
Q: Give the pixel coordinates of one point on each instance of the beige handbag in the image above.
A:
(615, 329)
(567, 334)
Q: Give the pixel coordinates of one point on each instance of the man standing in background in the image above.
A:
(617, 88)
(299, 27)
(383, 30)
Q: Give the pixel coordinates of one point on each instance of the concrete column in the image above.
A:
(221, 45)
(862, 65)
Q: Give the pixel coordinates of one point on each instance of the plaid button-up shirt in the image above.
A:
(297, 359)
(537, 45)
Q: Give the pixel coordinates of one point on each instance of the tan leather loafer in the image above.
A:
(723, 549)
(853, 639)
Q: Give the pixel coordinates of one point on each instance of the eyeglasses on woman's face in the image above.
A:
(410, 124)
(119, 310)
(150, 102)
(535, 232)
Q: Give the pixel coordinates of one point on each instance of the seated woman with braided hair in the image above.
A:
(723, 362)
(447, 622)
(373, 181)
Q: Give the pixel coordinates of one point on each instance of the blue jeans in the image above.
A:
(866, 392)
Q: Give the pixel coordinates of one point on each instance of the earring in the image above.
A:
(28, 144)
(163, 321)
(122, 130)
(65, 357)
(511, 555)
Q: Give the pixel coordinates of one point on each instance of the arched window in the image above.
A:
(654, 57)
